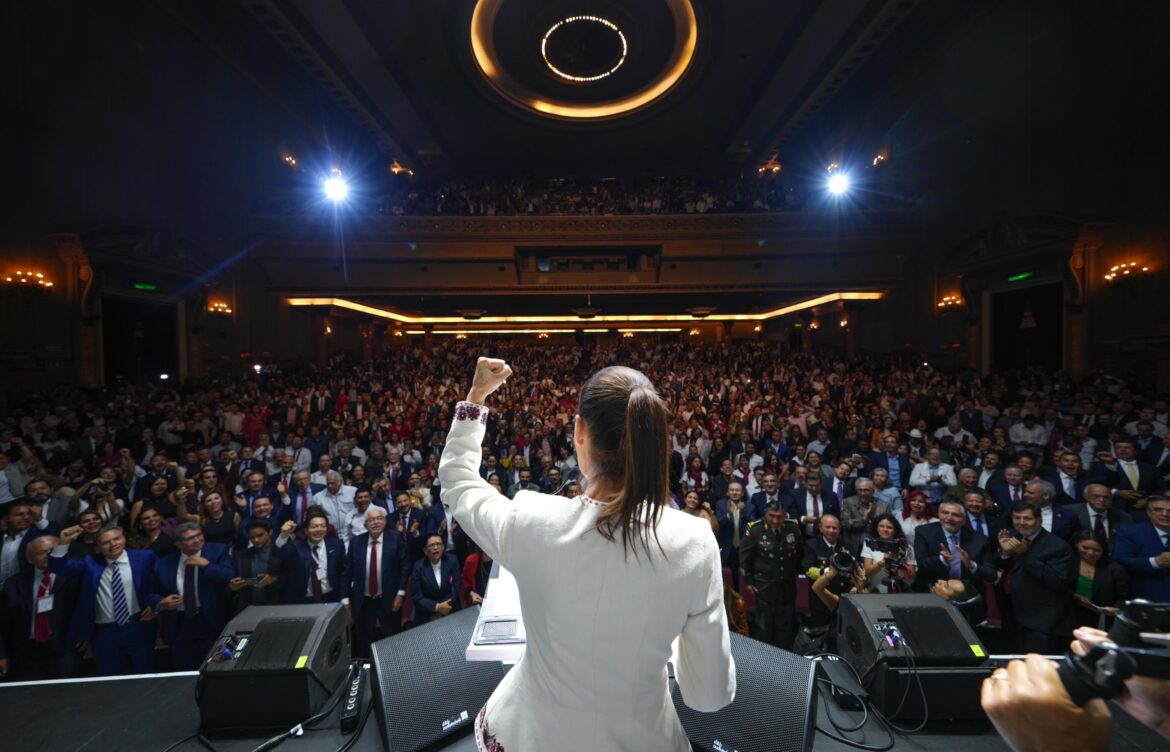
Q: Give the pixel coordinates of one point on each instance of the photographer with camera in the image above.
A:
(887, 557)
(844, 576)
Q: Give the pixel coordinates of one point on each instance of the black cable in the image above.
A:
(914, 675)
(181, 742)
(300, 727)
(856, 744)
(860, 701)
(863, 702)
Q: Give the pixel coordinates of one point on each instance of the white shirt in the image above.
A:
(182, 571)
(984, 476)
(339, 508)
(322, 568)
(302, 458)
(438, 570)
(319, 478)
(104, 613)
(1046, 518)
(357, 522)
(1068, 484)
(583, 683)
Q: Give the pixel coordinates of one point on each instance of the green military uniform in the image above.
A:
(770, 558)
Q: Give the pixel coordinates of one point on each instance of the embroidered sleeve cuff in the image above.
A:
(469, 411)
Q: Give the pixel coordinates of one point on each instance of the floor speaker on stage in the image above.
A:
(430, 655)
(915, 652)
(272, 667)
(774, 706)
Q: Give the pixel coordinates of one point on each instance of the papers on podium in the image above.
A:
(499, 630)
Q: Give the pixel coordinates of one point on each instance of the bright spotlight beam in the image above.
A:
(336, 188)
(838, 184)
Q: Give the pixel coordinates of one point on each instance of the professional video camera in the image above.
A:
(842, 561)
(896, 551)
(1138, 645)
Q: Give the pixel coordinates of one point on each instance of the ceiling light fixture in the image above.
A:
(578, 19)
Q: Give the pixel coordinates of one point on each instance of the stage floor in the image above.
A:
(148, 714)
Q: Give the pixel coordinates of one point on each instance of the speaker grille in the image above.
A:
(773, 707)
(434, 653)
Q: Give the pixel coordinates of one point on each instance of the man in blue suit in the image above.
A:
(189, 591)
(410, 524)
(1144, 550)
(435, 583)
(896, 463)
(315, 575)
(761, 499)
(807, 505)
(1067, 479)
(113, 612)
(373, 582)
(447, 527)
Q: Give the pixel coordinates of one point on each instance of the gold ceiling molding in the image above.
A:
(384, 313)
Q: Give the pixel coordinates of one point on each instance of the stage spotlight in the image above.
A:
(335, 187)
(838, 183)
(257, 368)
(163, 376)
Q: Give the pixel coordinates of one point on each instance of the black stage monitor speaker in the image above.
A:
(774, 707)
(907, 646)
(430, 654)
(272, 667)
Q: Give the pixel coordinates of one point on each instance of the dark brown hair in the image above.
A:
(628, 433)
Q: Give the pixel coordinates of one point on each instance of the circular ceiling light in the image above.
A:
(678, 61)
(593, 21)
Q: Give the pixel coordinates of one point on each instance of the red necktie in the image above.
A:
(373, 569)
(41, 628)
(1015, 493)
(315, 580)
(816, 505)
(304, 505)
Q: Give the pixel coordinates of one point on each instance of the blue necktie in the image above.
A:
(956, 562)
(121, 605)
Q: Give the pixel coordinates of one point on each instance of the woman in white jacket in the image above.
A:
(613, 583)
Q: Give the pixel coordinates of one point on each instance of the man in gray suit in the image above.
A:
(858, 511)
(53, 507)
(1098, 515)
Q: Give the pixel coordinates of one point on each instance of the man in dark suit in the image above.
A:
(792, 486)
(1067, 479)
(841, 485)
(1132, 481)
(435, 583)
(1098, 515)
(410, 524)
(979, 520)
(807, 506)
(1144, 550)
(732, 514)
(858, 512)
(1009, 493)
(949, 550)
(396, 471)
(895, 463)
(113, 612)
(761, 499)
(440, 523)
(1040, 572)
(373, 582)
(320, 404)
(315, 576)
(19, 530)
(1058, 520)
(285, 476)
(158, 468)
(971, 418)
(262, 571)
(189, 591)
(35, 607)
(296, 500)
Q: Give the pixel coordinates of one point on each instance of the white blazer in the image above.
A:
(600, 625)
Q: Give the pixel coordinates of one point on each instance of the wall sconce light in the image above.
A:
(757, 328)
(219, 307)
(843, 323)
(328, 330)
(814, 325)
(542, 335)
(627, 335)
(27, 280)
(693, 332)
(950, 301)
(460, 336)
(397, 332)
(1124, 271)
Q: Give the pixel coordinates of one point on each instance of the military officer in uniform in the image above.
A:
(770, 554)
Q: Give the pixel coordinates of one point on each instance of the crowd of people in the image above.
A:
(530, 196)
(140, 517)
